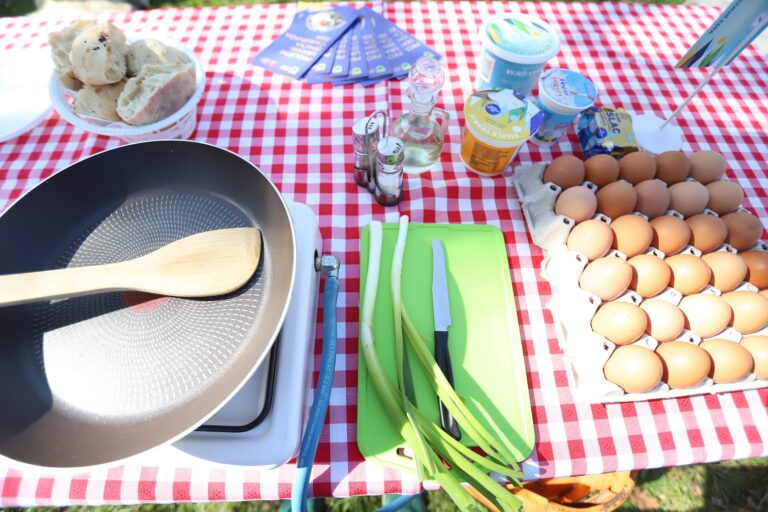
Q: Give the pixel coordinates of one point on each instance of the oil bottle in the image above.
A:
(423, 128)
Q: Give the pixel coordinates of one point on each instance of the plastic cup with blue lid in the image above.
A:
(515, 48)
(563, 94)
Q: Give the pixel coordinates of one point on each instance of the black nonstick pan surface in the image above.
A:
(96, 379)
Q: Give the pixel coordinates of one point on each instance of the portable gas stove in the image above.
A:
(262, 424)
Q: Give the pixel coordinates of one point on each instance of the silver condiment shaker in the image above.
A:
(388, 176)
(366, 134)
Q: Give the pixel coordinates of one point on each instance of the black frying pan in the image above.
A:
(92, 380)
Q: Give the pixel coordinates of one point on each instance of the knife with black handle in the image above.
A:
(442, 314)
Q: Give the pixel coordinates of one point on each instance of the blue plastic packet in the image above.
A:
(401, 49)
(341, 61)
(324, 64)
(310, 35)
(358, 67)
(320, 72)
(378, 65)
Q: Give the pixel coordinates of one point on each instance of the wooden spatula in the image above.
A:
(201, 265)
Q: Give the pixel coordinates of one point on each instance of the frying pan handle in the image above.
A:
(329, 266)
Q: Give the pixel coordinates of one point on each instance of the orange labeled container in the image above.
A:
(496, 125)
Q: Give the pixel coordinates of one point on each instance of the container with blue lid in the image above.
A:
(563, 94)
(515, 49)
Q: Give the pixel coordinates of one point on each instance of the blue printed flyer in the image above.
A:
(311, 33)
(342, 45)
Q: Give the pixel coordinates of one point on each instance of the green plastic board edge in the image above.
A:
(484, 337)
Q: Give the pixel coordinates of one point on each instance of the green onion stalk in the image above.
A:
(438, 456)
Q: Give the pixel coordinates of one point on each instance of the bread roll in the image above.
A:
(98, 55)
(157, 92)
(61, 44)
(151, 51)
(99, 101)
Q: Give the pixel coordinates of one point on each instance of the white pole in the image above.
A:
(690, 97)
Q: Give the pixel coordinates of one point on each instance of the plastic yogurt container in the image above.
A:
(497, 123)
(515, 49)
(563, 94)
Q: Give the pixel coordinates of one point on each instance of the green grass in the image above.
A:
(16, 7)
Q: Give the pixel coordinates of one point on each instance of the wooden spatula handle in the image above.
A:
(201, 265)
(55, 284)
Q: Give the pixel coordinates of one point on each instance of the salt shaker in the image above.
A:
(366, 135)
(390, 153)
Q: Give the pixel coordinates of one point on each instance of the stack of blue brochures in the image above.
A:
(343, 45)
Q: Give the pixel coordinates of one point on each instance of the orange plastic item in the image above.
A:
(584, 493)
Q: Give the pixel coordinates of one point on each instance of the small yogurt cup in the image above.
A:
(497, 123)
(515, 49)
(563, 94)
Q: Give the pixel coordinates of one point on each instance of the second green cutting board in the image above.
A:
(484, 337)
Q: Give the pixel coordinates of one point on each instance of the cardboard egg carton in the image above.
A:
(586, 352)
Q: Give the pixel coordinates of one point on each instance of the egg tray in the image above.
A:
(586, 352)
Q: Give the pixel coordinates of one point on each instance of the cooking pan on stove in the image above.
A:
(93, 380)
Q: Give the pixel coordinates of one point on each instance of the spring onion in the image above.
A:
(437, 455)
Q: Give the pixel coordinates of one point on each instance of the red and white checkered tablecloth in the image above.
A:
(300, 136)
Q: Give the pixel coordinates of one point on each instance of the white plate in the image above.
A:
(24, 100)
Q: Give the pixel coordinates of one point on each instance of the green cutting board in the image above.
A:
(484, 337)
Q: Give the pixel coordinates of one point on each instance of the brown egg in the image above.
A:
(689, 273)
(728, 270)
(724, 196)
(650, 275)
(637, 166)
(652, 198)
(632, 234)
(688, 198)
(620, 322)
(565, 171)
(601, 169)
(707, 166)
(730, 361)
(616, 199)
(758, 348)
(670, 234)
(750, 310)
(592, 238)
(684, 364)
(757, 267)
(706, 314)
(708, 232)
(578, 203)
(606, 277)
(744, 229)
(633, 368)
(672, 167)
(665, 321)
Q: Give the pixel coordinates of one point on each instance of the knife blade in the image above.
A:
(442, 314)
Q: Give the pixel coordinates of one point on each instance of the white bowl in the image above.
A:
(178, 125)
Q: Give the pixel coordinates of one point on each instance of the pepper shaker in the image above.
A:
(366, 135)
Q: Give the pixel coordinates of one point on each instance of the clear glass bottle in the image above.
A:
(423, 128)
